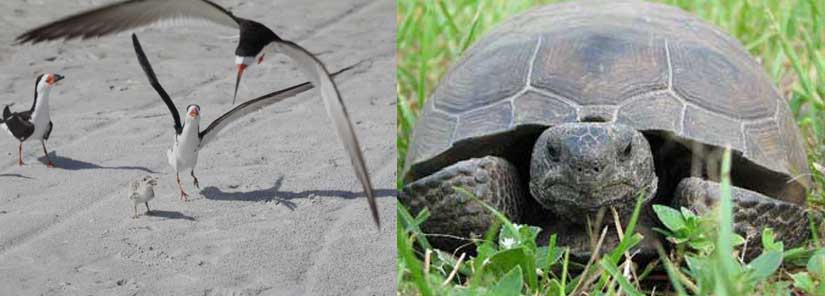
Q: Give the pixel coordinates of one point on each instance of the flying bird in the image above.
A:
(35, 123)
(255, 41)
(189, 139)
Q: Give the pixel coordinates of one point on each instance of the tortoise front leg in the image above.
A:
(752, 212)
(454, 215)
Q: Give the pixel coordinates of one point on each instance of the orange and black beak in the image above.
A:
(194, 113)
(241, 68)
(54, 78)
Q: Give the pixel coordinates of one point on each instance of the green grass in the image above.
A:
(786, 37)
(510, 260)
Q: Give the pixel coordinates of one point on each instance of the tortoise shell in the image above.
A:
(650, 66)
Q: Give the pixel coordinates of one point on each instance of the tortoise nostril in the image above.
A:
(588, 169)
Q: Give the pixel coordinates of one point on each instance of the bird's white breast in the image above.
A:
(143, 194)
(186, 150)
(41, 117)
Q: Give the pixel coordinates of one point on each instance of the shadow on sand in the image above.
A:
(16, 176)
(66, 163)
(273, 193)
(169, 215)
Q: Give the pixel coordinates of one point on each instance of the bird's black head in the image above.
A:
(254, 37)
(193, 111)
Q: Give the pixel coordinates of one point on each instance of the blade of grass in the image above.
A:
(404, 248)
(470, 37)
(626, 286)
(725, 268)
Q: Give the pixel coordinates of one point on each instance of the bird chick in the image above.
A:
(142, 191)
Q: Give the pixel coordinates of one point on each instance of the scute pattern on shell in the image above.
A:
(650, 66)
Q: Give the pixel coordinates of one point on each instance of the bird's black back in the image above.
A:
(36, 82)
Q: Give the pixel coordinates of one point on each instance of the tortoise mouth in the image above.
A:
(571, 200)
(575, 199)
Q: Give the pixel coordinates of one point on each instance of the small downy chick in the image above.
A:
(142, 191)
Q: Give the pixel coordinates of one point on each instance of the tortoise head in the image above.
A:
(578, 168)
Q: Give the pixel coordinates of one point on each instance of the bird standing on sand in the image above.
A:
(189, 139)
(35, 123)
(142, 191)
(255, 41)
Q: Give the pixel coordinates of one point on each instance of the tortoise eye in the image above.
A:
(628, 149)
(552, 152)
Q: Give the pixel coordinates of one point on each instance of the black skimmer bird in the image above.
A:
(189, 139)
(35, 123)
(255, 41)
(141, 192)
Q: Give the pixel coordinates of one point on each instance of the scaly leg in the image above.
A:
(493, 180)
(147, 207)
(183, 195)
(196, 180)
(136, 215)
(51, 165)
(752, 212)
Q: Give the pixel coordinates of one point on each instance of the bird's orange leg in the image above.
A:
(51, 165)
(183, 195)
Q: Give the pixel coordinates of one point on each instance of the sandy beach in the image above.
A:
(279, 212)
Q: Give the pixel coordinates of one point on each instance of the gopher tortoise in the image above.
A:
(571, 108)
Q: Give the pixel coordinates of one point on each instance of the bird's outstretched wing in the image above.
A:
(214, 128)
(153, 80)
(128, 15)
(318, 74)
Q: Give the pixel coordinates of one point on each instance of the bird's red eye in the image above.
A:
(261, 59)
(50, 79)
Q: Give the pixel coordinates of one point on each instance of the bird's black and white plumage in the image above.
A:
(35, 123)
(255, 40)
(189, 139)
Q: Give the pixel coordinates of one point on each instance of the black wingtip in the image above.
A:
(374, 210)
(21, 40)
(6, 113)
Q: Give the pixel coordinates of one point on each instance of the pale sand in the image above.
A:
(280, 213)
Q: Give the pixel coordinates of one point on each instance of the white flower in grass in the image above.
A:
(508, 242)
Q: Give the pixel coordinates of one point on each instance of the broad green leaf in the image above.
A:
(816, 265)
(769, 242)
(704, 246)
(737, 240)
(803, 281)
(509, 285)
(672, 219)
(797, 256)
(687, 213)
(505, 260)
(765, 265)
(545, 259)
